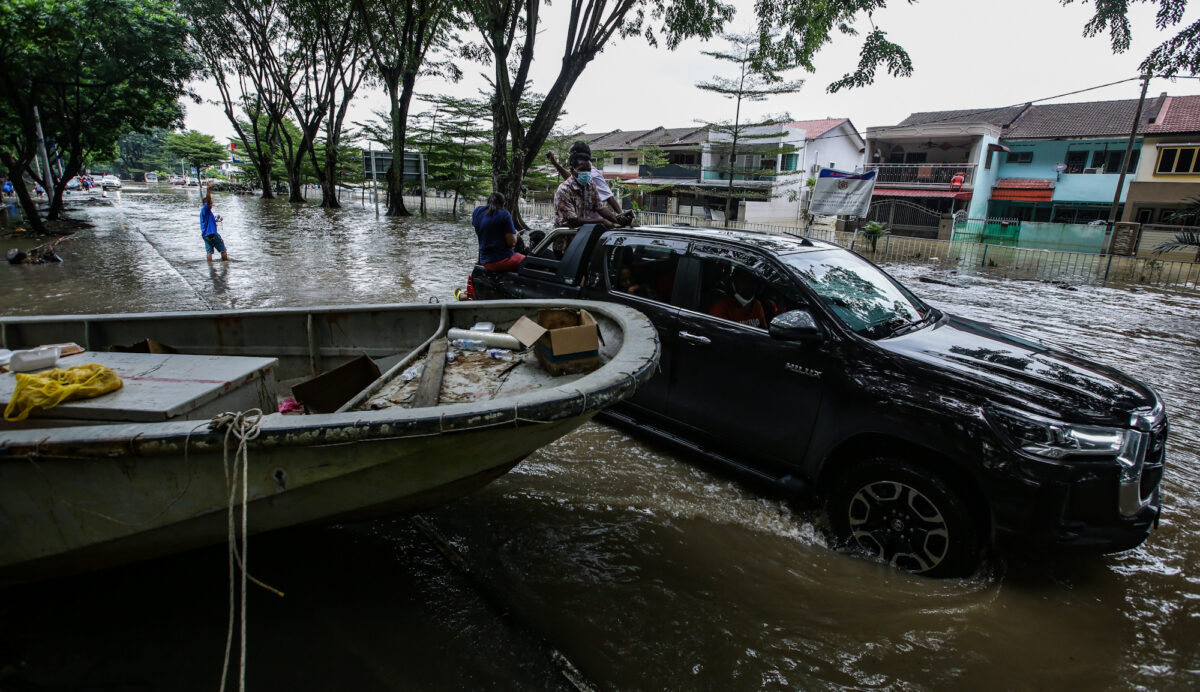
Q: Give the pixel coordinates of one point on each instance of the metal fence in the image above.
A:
(1003, 260)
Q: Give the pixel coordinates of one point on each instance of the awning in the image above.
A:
(927, 194)
(1023, 190)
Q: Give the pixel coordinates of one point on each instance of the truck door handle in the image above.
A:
(695, 338)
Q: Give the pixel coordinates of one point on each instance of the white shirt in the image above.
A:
(601, 186)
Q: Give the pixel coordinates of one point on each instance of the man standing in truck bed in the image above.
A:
(576, 201)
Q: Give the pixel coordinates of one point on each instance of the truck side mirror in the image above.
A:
(796, 325)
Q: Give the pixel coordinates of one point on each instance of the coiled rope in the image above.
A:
(242, 426)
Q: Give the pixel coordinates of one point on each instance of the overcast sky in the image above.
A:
(966, 54)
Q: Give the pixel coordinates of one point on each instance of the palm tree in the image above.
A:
(1183, 239)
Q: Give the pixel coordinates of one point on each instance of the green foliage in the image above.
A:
(755, 80)
(198, 149)
(137, 154)
(1179, 54)
(793, 32)
(459, 146)
(873, 230)
(94, 69)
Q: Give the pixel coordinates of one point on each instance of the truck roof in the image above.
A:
(774, 241)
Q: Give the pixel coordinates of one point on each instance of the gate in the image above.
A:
(898, 213)
(991, 231)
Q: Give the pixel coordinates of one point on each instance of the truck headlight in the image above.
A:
(1051, 439)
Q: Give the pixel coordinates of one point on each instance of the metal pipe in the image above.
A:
(398, 367)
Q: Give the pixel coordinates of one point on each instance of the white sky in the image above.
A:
(966, 54)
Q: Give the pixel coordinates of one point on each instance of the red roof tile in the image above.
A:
(1180, 114)
(816, 128)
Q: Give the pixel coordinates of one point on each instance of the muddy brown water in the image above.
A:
(643, 569)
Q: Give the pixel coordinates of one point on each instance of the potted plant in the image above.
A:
(873, 230)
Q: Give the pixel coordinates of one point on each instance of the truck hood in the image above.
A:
(1020, 372)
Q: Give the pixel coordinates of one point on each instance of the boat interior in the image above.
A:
(191, 366)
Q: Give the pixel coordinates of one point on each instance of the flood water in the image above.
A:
(641, 568)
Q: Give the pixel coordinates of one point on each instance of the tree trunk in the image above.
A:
(295, 190)
(454, 209)
(329, 198)
(15, 173)
(401, 96)
(264, 178)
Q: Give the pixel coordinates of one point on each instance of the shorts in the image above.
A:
(510, 264)
(213, 241)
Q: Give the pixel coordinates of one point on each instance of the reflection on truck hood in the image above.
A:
(1030, 375)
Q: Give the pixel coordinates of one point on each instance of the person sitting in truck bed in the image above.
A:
(741, 305)
(497, 236)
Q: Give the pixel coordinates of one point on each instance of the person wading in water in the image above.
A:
(208, 230)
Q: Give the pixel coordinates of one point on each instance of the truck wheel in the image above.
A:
(907, 516)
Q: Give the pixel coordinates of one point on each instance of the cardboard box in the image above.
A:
(325, 393)
(564, 340)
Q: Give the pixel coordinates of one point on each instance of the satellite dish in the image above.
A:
(1060, 167)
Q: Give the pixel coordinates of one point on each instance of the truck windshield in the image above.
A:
(861, 295)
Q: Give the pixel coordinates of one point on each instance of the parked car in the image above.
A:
(930, 438)
(150, 177)
(110, 182)
(177, 180)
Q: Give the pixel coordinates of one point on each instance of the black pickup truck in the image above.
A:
(929, 437)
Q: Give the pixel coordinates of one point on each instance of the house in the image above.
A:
(935, 163)
(1063, 162)
(1169, 177)
(694, 171)
(1057, 162)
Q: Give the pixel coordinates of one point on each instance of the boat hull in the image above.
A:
(59, 524)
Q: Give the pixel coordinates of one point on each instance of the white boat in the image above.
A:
(80, 490)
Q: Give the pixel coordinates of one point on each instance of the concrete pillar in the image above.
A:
(945, 227)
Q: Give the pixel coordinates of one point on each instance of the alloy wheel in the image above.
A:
(898, 524)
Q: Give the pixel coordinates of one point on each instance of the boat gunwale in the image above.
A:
(579, 397)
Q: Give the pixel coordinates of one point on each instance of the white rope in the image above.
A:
(242, 426)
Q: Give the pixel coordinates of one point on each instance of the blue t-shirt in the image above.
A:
(491, 230)
(208, 222)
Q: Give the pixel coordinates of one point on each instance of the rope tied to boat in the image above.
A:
(241, 427)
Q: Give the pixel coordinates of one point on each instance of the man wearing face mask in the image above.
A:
(576, 200)
(741, 306)
(610, 207)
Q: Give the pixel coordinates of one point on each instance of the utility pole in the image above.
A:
(1112, 212)
(47, 170)
(374, 179)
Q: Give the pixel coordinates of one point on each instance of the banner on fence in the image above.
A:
(839, 193)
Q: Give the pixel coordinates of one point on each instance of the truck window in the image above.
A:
(736, 292)
(646, 271)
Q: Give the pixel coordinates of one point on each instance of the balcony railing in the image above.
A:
(670, 170)
(929, 175)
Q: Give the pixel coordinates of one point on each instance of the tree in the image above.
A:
(510, 30)
(253, 103)
(1177, 55)
(92, 70)
(198, 149)
(756, 78)
(459, 148)
(312, 50)
(403, 37)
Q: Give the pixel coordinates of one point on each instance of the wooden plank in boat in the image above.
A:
(160, 386)
(430, 387)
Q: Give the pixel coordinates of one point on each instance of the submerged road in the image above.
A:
(644, 569)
